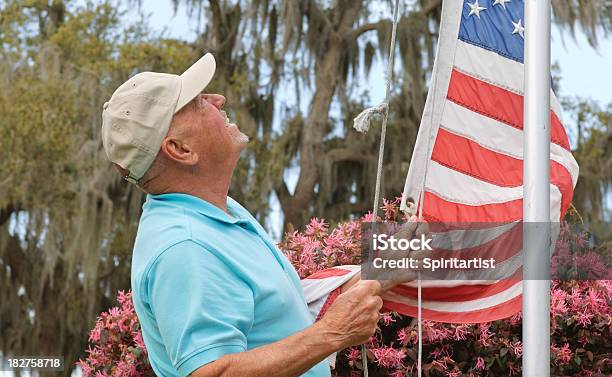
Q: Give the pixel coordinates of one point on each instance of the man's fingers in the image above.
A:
(368, 287)
(422, 228)
(407, 230)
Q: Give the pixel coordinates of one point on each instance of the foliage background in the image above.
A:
(67, 222)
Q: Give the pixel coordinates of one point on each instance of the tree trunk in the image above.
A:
(327, 75)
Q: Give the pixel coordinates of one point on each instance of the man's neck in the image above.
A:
(215, 195)
(211, 186)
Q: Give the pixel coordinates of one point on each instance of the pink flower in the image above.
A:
(402, 336)
(96, 332)
(513, 369)
(485, 334)
(517, 348)
(516, 319)
(387, 318)
(388, 357)
(561, 355)
(391, 209)
(138, 340)
(442, 364)
(557, 302)
(353, 354)
(584, 318)
(316, 227)
(460, 332)
(369, 218)
(453, 373)
(480, 363)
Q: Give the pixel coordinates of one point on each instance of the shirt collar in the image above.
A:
(202, 206)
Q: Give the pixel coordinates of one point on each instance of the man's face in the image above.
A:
(208, 129)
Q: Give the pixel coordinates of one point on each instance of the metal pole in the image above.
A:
(536, 199)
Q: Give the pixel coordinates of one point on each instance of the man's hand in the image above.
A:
(353, 316)
(391, 277)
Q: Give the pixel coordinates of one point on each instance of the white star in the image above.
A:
(519, 29)
(475, 9)
(501, 2)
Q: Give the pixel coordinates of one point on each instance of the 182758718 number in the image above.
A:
(25, 363)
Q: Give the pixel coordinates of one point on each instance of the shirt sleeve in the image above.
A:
(202, 308)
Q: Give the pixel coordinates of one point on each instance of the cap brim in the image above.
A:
(195, 79)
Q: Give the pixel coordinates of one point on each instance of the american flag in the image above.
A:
(467, 164)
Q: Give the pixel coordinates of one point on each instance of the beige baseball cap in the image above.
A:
(138, 115)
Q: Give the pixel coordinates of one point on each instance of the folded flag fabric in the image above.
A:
(322, 288)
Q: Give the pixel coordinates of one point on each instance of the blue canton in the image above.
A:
(495, 25)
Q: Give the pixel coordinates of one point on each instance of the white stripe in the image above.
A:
(459, 239)
(566, 159)
(448, 283)
(460, 306)
(555, 205)
(497, 136)
(495, 69)
(314, 289)
(456, 187)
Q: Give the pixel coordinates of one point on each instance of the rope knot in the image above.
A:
(362, 121)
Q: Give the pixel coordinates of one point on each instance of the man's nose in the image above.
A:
(216, 100)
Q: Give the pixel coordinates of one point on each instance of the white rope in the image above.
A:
(419, 302)
(362, 124)
(419, 324)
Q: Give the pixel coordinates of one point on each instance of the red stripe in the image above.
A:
(468, 157)
(459, 293)
(497, 103)
(501, 248)
(464, 155)
(328, 273)
(329, 301)
(501, 311)
(440, 210)
(560, 177)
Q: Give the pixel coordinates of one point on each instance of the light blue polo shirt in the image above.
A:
(206, 284)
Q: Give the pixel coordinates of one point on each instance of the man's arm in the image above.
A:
(351, 320)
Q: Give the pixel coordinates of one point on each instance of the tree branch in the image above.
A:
(433, 5)
(359, 208)
(315, 7)
(356, 33)
(282, 191)
(346, 154)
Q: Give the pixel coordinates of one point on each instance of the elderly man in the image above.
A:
(214, 295)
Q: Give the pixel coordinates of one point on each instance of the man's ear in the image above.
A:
(179, 151)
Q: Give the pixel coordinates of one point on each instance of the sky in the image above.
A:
(585, 72)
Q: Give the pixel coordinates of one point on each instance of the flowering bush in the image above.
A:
(118, 348)
(581, 320)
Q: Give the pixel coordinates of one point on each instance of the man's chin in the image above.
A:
(241, 139)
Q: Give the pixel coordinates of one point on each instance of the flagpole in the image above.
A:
(536, 203)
